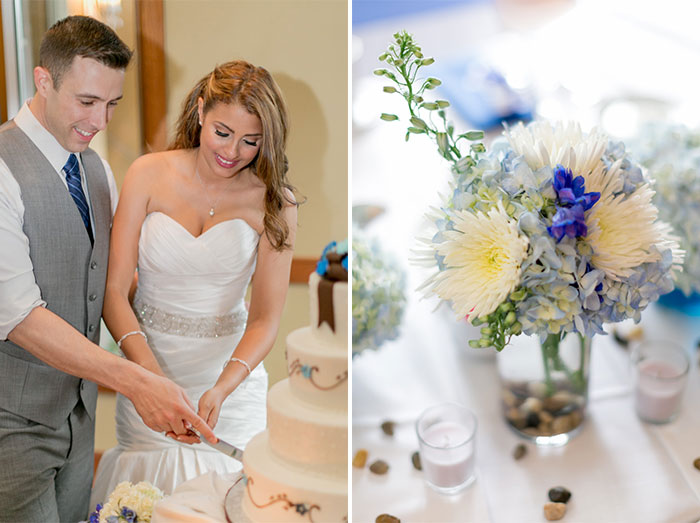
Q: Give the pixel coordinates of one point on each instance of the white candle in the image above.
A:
(659, 390)
(446, 436)
(450, 463)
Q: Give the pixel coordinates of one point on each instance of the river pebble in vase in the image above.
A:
(544, 386)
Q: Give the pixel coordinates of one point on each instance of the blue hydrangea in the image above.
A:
(378, 294)
(671, 153)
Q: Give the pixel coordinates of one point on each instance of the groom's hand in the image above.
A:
(164, 407)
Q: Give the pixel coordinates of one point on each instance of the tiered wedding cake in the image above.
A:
(296, 470)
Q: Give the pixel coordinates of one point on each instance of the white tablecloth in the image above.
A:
(618, 468)
(199, 500)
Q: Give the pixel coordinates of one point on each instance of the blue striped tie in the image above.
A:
(75, 188)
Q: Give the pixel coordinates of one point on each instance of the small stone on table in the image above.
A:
(559, 495)
(415, 458)
(379, 467)
(388, 428)
(519, 451)
(387, 518)
(554, 511)
(360, 459)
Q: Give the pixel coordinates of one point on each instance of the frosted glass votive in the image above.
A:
(659, 371)
(447, 442)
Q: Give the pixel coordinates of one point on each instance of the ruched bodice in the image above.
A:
(190, 302)
(200, 275)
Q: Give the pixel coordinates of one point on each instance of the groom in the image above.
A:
(57, 198)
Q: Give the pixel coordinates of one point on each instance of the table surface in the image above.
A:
(618, 468)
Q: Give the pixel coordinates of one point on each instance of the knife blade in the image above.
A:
(222, 446)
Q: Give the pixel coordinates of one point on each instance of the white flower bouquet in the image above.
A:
(128, 503)
(551, 231)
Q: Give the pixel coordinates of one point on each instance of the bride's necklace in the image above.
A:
(212, 206)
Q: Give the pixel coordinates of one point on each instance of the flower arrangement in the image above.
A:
(378, 296)
(130, 503)
(551, 231)
(672, 156)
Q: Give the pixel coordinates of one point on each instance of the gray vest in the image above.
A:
(69, 272)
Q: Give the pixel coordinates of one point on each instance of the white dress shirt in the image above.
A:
(19, 293)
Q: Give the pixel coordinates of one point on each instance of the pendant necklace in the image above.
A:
(212, 206)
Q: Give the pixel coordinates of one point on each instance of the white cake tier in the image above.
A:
(304, 434)
(280, 492)
(329, 338)
(317, 375)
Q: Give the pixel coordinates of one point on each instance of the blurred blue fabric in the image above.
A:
(364, 11)
(479, 91)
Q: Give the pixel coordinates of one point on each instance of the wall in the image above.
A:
(303, 43)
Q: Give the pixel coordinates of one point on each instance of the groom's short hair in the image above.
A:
(81, 36)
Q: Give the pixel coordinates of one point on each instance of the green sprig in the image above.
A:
(501, 324)
(406, 59)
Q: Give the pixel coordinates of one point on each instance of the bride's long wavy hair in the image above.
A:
(239, 82)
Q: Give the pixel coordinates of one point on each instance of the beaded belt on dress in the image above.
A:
(190, 326)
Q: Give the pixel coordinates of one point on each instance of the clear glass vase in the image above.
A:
(544, 386)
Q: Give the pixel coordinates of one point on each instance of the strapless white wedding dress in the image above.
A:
(190, 303)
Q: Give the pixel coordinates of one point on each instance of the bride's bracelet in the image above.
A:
(239, 360)
(119, 343)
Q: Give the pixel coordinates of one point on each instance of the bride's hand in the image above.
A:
(210, 405)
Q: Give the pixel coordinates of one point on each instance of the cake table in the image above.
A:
(202, 500)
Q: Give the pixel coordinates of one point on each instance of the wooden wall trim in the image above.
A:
(150, 37)
(302, 269)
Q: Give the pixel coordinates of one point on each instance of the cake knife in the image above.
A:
(222, 446)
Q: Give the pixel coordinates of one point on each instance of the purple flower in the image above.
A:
(95, 516)
(571, 191)
(568, 221)
(573, 201)
(128, 514)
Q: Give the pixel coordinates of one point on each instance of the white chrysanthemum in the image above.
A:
(482, 258)
(622, 230)
(543, 144)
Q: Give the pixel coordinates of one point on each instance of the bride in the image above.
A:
(200, 221)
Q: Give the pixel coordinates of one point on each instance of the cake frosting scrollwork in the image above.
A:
(307, 371)
(332, 267)
(301, 508)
